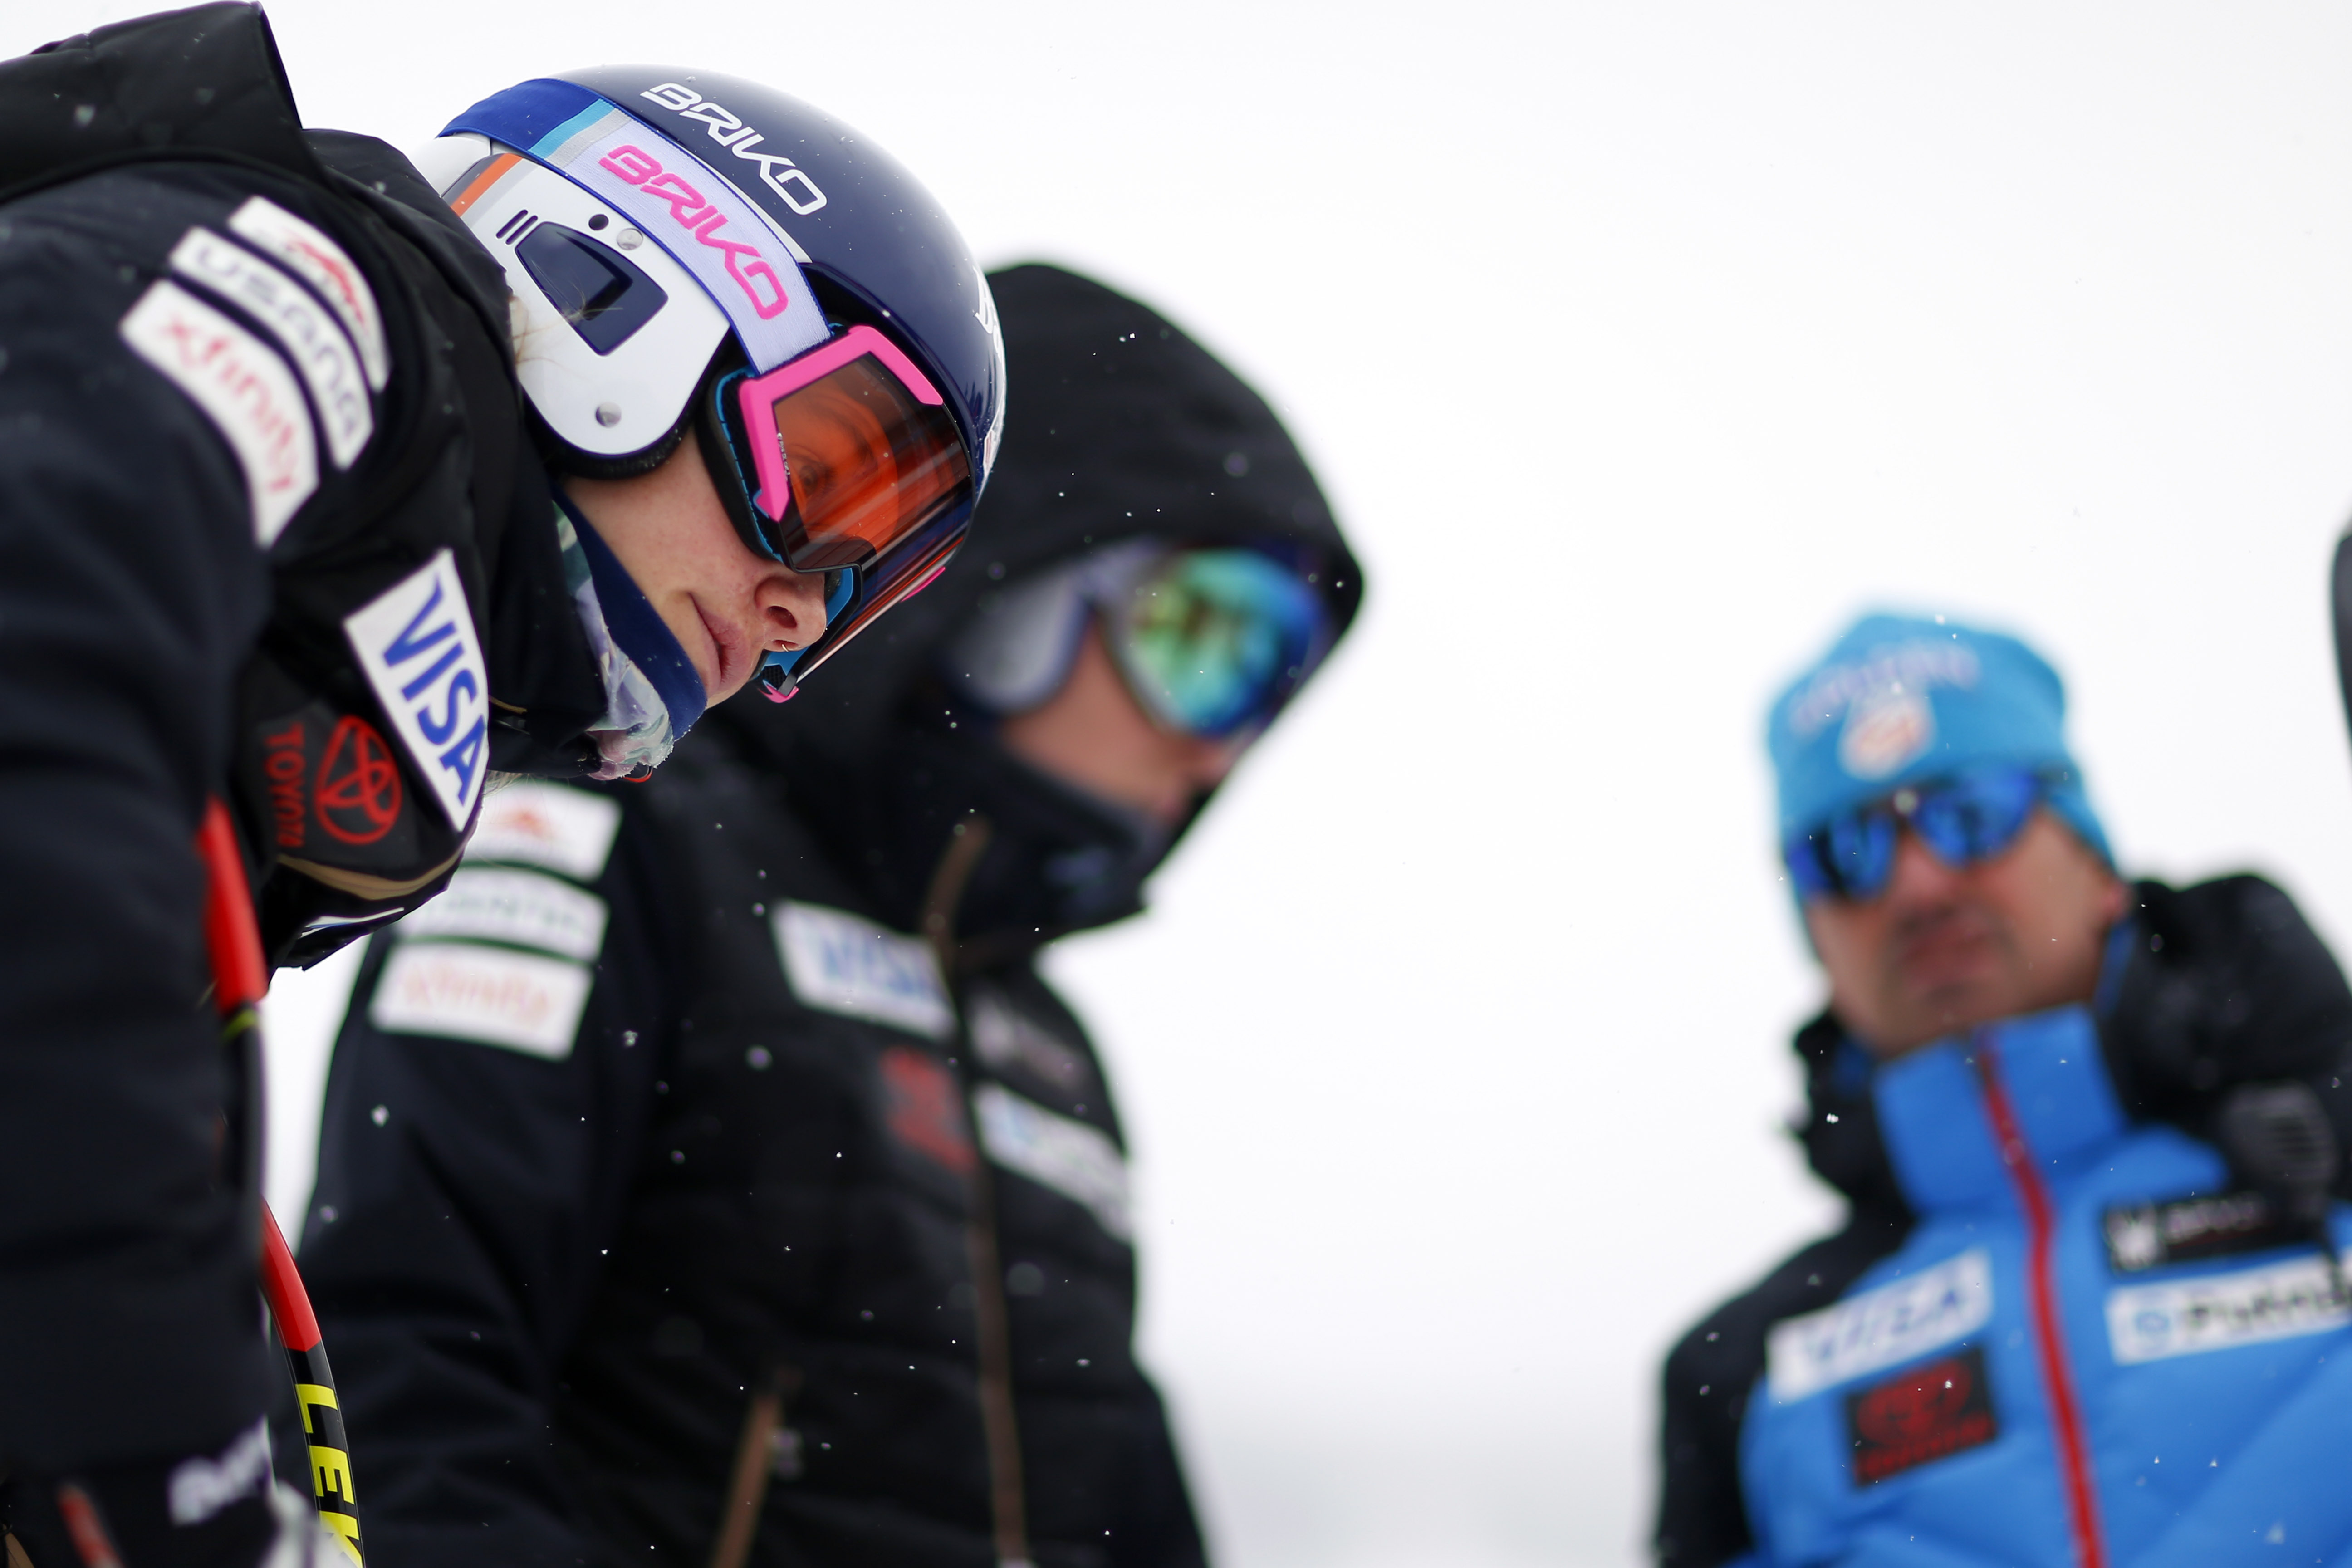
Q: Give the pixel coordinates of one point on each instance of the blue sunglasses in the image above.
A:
(1967, 818)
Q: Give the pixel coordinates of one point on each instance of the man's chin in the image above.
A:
(1958, 1005)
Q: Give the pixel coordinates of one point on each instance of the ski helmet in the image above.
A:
(692, 250)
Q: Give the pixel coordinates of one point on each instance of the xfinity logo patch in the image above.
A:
(486, 994)
(416, 643)
(1880, 1328)
(841, 963)
(243, 387)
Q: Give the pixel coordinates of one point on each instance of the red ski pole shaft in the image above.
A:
(239, 980)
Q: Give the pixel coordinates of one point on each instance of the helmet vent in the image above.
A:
(602, 294)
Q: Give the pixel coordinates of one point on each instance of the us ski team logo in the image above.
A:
(415, 641)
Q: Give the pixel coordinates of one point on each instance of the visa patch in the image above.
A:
(1880, 1328)
(1919, 1415)
(416, 644)
(310, 336)
(565, 830)
(1071, 1157)
(243, 387)
(2222, 1312)
(321, 263)
(486, 994)
(841, 962)
(523, 908)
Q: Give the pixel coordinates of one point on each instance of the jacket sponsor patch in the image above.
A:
(1007, 1040)
(2221, 1311)
(416, 644)
(201, 1486)
(2141, 1236)
(308, 334)
(319, 262)
(519, 907)
(1880, 1328)
(925, 1112)
(1919, 1415)
(566, 830)
(482, 993)
(1073, 1158)
(243, 387)
(844, 963)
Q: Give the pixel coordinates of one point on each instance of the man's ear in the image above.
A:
(2115, 900)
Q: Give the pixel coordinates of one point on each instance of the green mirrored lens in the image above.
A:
(1212, 640)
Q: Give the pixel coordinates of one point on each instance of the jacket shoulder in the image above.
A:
(1712, 1370)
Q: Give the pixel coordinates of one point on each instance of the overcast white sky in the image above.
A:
(1638, 346)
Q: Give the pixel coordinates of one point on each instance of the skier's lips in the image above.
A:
(730, 661)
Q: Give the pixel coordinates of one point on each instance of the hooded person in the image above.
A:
(333, 485)
(2087, 1305)
(712, 1177)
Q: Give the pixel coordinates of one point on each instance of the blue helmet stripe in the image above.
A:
(527, 115)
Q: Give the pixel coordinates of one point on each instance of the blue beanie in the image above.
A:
(1900, 701)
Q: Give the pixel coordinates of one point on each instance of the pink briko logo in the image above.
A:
(702, 219)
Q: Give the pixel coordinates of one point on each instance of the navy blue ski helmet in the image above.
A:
(685, 247)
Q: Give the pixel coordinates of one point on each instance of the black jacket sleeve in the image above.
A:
(131, 589)
(467, 1194)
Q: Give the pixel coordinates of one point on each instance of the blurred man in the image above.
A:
(2086, 1308)
(797, 1228)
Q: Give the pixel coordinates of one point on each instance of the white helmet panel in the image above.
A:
(610, 334)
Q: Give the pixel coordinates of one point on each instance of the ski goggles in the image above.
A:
(1213, 641)
(843, 461)
(1963, 820)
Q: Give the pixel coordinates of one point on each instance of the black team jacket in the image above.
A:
(252, 380)
(715, 1152)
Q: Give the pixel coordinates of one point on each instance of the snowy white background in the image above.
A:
(1638, 346)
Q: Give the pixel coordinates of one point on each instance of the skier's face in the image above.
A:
(725, 606)
(1094, 734)
(1947, 947)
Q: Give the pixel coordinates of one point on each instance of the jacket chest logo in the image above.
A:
(1920, 1415)
(1880, 1328)
(844, 963)
(2222, 1312)
(2141, 1236)
(417, 646)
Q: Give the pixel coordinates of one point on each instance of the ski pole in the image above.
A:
(239, 980)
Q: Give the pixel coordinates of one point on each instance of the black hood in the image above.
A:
(1119, 426)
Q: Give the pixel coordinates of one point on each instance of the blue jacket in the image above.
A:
(2061, 1333)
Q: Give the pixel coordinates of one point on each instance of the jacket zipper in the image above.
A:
(2042, 1293)
(992, 1318)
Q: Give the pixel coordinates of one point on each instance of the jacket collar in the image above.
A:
(1936, 1113)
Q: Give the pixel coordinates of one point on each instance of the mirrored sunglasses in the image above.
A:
(1963, 820)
